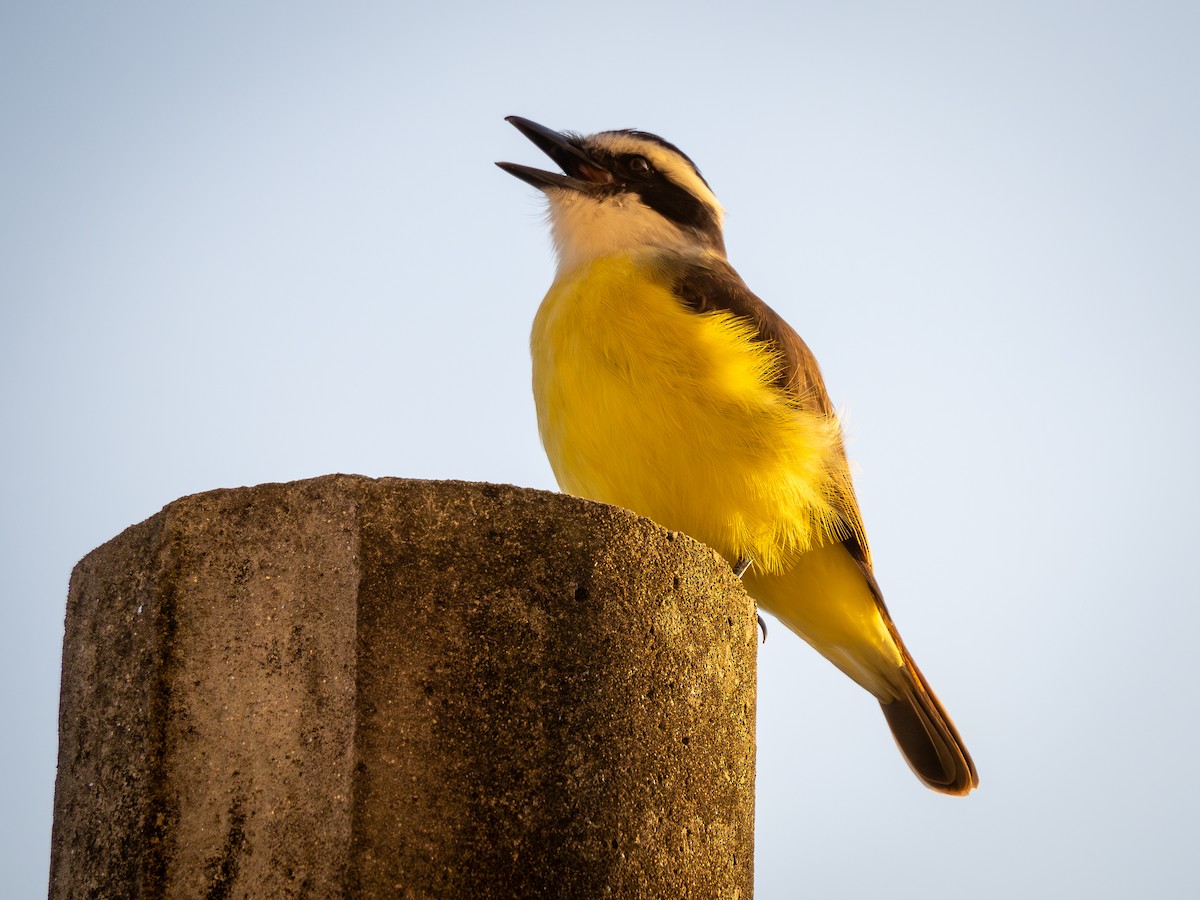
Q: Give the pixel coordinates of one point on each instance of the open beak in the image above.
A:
(583, 174)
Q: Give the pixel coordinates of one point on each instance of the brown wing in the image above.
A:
(713, 285)
(926, 735)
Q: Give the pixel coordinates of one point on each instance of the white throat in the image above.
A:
(586, 228)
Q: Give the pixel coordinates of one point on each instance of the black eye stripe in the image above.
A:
(659, 192)
(673, 202)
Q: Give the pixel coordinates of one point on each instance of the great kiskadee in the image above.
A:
(665, 386)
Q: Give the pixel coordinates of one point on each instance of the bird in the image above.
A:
(664, 385)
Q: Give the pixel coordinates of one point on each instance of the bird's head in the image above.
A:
(620, 191)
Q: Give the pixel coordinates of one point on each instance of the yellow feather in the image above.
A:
(644, 404)
(825, 599)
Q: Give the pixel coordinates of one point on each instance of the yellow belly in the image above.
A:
(645, 404)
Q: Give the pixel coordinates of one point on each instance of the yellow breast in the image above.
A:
(645, 404)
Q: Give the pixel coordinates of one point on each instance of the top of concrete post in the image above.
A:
(394, 687)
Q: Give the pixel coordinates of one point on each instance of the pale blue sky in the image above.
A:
(265, 241)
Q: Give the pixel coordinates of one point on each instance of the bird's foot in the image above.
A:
(739, 569)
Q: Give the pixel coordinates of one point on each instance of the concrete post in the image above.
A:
(351, 687)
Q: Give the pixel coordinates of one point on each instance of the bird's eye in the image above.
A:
(639, 165)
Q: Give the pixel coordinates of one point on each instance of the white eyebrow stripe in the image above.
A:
(670, 164)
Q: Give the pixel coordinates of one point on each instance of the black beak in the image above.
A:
(583, 173)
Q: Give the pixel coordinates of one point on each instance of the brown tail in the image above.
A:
(928, 739)
(830, 598)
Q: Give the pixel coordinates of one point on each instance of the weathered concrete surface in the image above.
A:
(349, 687)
